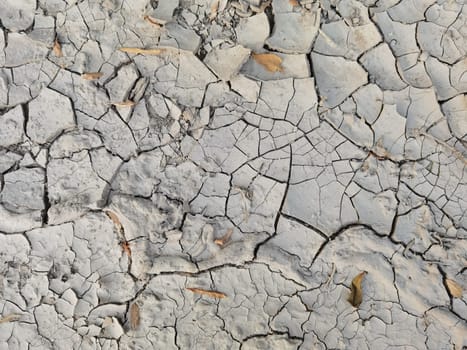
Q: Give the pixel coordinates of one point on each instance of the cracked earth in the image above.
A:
(213, 174)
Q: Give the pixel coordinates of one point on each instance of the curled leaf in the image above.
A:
(355, 297)
(92, 76)
(454, 288)
(214, 8)
(10, 318)
(134, 316)
(225, 238)
(269, 61)
(138, 51)
(57, 48)
(209, 293)
(127, 103)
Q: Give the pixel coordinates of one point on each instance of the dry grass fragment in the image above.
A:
(127, 103)
(209, 293)
(139, 51)
(10, 318)
(153, 21)
(92, 75)
(57, 48)
(134, 316)
(114, 219)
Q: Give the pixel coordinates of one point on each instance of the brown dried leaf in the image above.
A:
(225, 238)
(214, 8)
(57, 48)
(294, 3)
(114, 219)
(92, 76)
(126, 248)
(10, 318)
(209, 293)
(127, 103)
(355, 297)
(136, 51)
(134, 316)
(454, 288)
(153, 21)
(270, 61)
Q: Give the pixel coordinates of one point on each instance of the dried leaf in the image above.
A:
(454, 288)
(134, 316)
(92, 76)
(126, 248)
(127, 103)
(136, 51)
(225, 238)
(114, 219)
(270, 61)
(214, 8)
(153, 21)
(57, 49)
(10, 318)
(355, 297)
(294, 3)
(210, 293)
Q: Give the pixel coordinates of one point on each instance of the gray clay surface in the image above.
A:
(214, 174)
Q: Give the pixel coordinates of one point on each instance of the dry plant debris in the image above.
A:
(209, 293)
(92, 75)
(134, 316)
(225, 238)
(454, 288)
(270, 61)
(356, 295)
